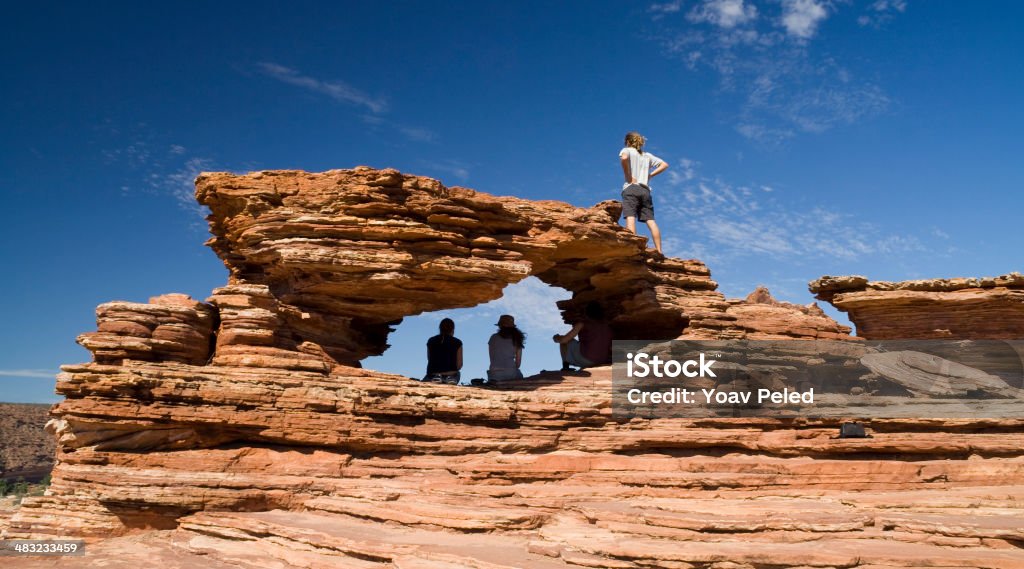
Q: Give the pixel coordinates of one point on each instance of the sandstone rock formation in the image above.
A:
(324, 264)
(988, 308)
(365, 469)
(274, 449)
(761, 317)
(172, 327)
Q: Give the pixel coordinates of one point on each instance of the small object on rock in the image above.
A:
(852, 430)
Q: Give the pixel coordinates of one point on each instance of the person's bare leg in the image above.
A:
(655, 234)
(631, 224)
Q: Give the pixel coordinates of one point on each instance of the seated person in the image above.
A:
(594, 347)
(506, 350)
(444, 354)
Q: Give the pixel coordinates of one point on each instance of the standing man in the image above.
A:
(636, 192)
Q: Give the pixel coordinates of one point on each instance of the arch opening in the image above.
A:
(345, 255)
(533, 303)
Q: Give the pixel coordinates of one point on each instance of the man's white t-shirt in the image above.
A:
(640, 164)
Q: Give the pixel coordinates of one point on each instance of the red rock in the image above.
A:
(334, 259)
(169, 328)
(275, 450)
(988, 308)
(761, 317)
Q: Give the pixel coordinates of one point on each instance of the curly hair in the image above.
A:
(517, 336)
(636, 140)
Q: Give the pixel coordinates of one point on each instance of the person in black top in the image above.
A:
(444, 354)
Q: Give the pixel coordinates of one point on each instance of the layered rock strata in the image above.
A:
(171, 327)
(325, 264)
(987, 308)
(271, 448)
(362, 469)
(760, 317)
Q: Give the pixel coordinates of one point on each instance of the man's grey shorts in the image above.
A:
(636, 202)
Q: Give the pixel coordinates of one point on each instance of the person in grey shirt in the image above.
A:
(639, 167)
(506, 350)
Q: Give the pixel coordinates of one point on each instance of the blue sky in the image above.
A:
(806, 137)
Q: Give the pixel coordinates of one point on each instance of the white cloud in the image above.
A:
(723, 13)
(881, 11)
(797, 94)
(785, 87)
(763, 134)
(135, 154)
(683, 171)
(533, 304)
(886, 5)
(180, 183)
(40, 373)
(819, 104)
(345, 93)
(153, 166)
(414, 133)
(690, 249)
(530, 301)
(337, 90)
(802, 17)
(418, 134)
(659, 10)
(884, 9)
(454, 167)
(748, 234)
(740, 221)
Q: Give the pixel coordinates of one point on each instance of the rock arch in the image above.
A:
(324, 264)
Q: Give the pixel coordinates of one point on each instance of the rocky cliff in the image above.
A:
(238, 432)
(989, 308)
(26, 451)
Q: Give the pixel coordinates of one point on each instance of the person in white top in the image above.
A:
(636, 192)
